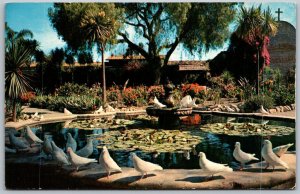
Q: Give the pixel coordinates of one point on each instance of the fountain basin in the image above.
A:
(168, 117)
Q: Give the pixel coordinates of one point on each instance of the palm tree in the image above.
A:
(18, 53)
(98, 29)
(254, 27)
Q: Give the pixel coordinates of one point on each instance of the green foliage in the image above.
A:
(253, 103)
(19, 51)
(284, 95)
(165, 25)
(74, 103)
(227, 78)
(9, 108)
(69, 89)
(246, 89)
(77, 23)
(254, 24)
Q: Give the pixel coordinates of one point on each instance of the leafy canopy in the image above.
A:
(77, 22)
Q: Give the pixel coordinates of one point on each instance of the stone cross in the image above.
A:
(278, 12)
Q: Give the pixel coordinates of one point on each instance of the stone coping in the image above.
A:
(52, 116)
(93, 176)
(255, 115)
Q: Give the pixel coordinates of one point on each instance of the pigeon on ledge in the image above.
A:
(270, 157)
(241, 156)
(107, 162)
(78, 161)
(211, 167)
(280, 150)
(143, 166)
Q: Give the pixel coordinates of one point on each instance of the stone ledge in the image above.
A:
(94, 177)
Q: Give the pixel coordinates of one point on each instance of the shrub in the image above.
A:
(253, 104)
(193, 89)
(157, 91)
(130, 96)
(9, 109)
(284, 95)
(227, 78)
(247, 90)
(28, 96)
(114, 94)
(39, 101)
(96, 90)
(69, 89)
(74, 103)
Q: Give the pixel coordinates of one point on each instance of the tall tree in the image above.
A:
(41, 60)
(85, 25)
(163, 26)
(19, 51)
(69, 58)
(57, 57)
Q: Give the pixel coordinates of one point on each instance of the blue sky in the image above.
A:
(34, 16)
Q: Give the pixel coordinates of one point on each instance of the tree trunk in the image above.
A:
(156, 65)
(14, 115)
(103, 77)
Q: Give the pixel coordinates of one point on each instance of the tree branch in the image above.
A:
(134, 46)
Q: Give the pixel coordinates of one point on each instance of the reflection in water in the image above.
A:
(218, 148)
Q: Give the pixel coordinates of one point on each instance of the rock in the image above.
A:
(278, 109)
(272, 110)
(281, 109)
(293, 106)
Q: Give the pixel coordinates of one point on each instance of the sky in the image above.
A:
(34, 16)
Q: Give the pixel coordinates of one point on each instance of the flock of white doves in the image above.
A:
(80, 157)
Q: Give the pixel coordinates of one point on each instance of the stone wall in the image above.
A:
(282, 47)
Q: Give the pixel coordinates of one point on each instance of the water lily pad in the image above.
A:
(246, 129)
(150, 140)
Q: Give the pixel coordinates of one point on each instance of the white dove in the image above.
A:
(280, 150)
(16, 142)
(71, 142)
(228, 109)
(211, 167)
(143, 166)
(262, 110)
(9, 150)
(78, 161)
(241, 156)
(157, 103)
(87, 150)
(270, 157)
(47, 147)
(230, 119)
(99, 111)
(187, 102)
(67, 112)
(31, 137)
(37, 117)
(107, 162)
(59, 155)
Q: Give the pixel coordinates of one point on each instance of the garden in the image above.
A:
(74, 123)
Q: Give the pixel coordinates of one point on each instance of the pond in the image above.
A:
(218, 147)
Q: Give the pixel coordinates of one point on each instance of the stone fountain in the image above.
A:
(169, 116)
